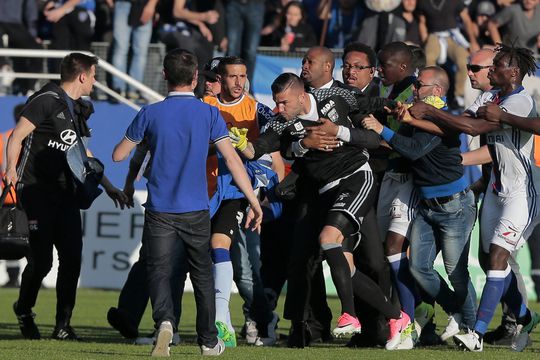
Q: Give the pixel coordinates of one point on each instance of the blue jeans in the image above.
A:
(445, 228)
(244, 23)
(246, 260)
(122, 34)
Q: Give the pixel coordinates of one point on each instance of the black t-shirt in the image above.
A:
(42, 162)
(318, 166)
(441, 15)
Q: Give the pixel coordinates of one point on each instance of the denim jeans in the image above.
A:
(163, 231)
(446, 228)
(244, 23)
(246, 260)
(122, 34)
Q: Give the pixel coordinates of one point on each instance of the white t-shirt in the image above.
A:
(512, 150)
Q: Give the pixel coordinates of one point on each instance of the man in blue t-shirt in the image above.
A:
(178, 131)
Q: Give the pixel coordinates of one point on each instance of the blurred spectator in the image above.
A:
(272, 18)
(104, 22)
(293, 31)
(440, 31)
(73, 23)
(181, 27)
(218, 29)
(18, 21)
(344, 18)
(133, 20)
(382, 24)
(244, 23)
(408, 13)
(521, 23)
(484, 11)
(419, 58)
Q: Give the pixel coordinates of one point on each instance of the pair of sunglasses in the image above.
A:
(476, 68)
(418, 85)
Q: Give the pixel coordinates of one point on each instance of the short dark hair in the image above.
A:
(229, 60)
(418, 57)
(362, 48)
(74, 64)
(400, 50)
(179, 66)
(286, 81)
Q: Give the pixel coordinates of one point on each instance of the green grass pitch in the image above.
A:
(102, 342)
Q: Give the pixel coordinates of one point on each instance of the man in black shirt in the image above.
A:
(46, 189)
(345, 185)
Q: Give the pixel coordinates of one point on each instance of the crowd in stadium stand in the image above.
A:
(366, 174)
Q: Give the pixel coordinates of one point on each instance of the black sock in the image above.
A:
(525, 319)
(367, 290)
(341, 276)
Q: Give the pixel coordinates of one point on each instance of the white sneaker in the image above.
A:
(151, 339)
(272, 334)
(469, 341)
(215, 351)
(407, 341)
(251, 332)
(163, 340)
(454, 320)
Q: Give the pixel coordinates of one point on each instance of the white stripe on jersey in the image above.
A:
(513, 148)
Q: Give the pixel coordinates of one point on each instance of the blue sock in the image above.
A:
(399, 265)
(493, 291)
(512, 297)
(223, 278)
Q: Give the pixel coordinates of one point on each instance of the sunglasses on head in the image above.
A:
(476, 68)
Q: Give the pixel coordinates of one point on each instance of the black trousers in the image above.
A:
(163, 232)
(306, 290)
(73, 31)
(20, 38)
(54, 220)
(134, 295)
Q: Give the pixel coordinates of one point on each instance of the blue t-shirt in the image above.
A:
(178, 131)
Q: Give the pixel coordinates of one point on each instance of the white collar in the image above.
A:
(328, 85)
(313, 115)
(176, 93)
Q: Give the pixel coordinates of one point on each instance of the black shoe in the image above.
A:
(502, 335)
(428, 336)
(362, 341)
(27, 325)
(65, 332)
(119, 320)
(299, 335)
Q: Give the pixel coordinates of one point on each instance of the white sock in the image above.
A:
(223, 278)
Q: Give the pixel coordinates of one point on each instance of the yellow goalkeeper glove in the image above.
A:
(239, 138)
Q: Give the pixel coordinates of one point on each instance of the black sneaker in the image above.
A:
(502, 335)
(299, 335)
(119, 320)
(27, 325)
(65, 333)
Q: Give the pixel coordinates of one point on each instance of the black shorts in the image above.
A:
(353, 197)
(228, 217)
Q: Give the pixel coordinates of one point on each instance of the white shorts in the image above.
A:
(507, 221)
(397, 204)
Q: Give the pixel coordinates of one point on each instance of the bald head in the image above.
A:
(478, 69)
(318, 66)
(433, 81)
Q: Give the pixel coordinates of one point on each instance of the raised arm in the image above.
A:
(493, 113)
(467, 124)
